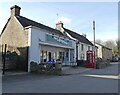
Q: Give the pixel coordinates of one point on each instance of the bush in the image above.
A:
(100, 63)
(33, 66)
(39, 68)
(81, 63)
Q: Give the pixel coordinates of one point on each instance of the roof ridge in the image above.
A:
(27, 22)
(102, 45)
(74, 34)
(36, 22)
(73, 31)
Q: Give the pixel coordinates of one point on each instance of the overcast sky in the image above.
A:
(77, 16)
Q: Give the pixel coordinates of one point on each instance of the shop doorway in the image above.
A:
(49, 55)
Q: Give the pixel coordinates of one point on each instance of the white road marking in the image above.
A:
(104, 76)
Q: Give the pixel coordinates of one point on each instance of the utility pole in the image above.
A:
(4, 56)
(94, 42)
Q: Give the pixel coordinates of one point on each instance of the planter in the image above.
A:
(58, 66)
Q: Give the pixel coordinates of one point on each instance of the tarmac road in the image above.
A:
(93, 81)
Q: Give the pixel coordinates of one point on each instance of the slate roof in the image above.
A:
(103, 46)
(77, 36)
(27, 22)
(4, 27)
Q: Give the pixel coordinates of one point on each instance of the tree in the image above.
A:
(112, 45)
(99, 41)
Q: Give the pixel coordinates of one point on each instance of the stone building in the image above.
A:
(103, 52)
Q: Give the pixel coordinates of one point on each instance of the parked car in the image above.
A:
(115, 59)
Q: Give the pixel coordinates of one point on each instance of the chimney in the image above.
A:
(15, 10)
(84, 35)
(59, 25)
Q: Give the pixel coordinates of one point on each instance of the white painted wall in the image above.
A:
(34, 48)
(74, 46)
(103, 52)
(80, 52)
(99, 51)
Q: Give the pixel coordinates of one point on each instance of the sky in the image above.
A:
(76, 16)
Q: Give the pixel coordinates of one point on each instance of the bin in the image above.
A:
(58, 66)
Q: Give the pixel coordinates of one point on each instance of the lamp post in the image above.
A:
(94, 41)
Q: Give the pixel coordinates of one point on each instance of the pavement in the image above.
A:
(74, 70)
(65, 71)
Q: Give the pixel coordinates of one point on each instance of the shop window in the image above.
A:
(41, 56)
(58, 57)
(66, 54)
(52, 55)
(61, 55)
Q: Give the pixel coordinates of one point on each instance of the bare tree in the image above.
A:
(99, 41)
(112, 45)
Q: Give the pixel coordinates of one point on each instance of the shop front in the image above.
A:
(54, 54)
(55, 49)
(46, 46)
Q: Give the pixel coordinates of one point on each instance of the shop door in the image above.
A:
(49, 55)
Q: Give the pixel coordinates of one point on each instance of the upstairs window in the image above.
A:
(82, 47)
(88, 47)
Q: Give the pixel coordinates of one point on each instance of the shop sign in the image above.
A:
(58, 40)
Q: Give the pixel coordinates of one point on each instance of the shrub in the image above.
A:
(81, 63)
(100, 63)
(33, 66)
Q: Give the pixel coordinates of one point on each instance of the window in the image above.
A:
(43, 56)
(61, 55)
(88, 47)
(82, 56)
(82, 47)
(92, 49)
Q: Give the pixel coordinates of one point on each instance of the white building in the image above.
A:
(82, 43)
(45, 45)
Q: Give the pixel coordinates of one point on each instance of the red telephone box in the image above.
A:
(89, 59)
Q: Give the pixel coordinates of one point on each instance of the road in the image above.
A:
(93, 81)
